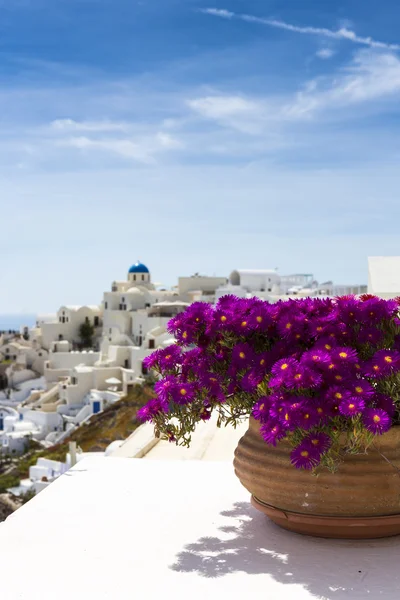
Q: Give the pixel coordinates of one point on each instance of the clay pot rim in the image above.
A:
(315, 519)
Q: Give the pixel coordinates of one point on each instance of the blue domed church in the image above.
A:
(139, 274)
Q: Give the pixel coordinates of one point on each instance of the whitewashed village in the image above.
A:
(78, 362)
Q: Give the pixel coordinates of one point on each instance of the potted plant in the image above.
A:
(320, 381)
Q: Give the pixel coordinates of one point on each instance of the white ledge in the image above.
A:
(124, 528)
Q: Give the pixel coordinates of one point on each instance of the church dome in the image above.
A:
(138, 267)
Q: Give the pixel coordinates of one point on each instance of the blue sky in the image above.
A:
(197, 136)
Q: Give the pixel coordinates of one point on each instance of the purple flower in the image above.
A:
(337, 394)
(301, 378)
(321, 442)
(382, 364)
(205, 413)
(163, 387)
(260, 317)
(370, 335)
(361, 388)
(284, 366)
(198, 315)
(261, 409)
(251, 381)
(315, 358)
(307, 417)
(376, 309)
(349, 309)
(242, 356)
(151, 361)
(351, 407)
(344, 356)
(305, 457)
(212, 383)
(170, 357)
(376, 420)
(149, 410)
(326, 343)
(385, 403)
(183, 393)
(272, 433)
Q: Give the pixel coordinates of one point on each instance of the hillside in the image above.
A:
(116, 422)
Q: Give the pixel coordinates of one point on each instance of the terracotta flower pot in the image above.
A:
(360, 500)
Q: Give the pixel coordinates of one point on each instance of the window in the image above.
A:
(120, 307)
(60, 337)
(126, 363)
(142, 277)
(134, 278)
(86, 319)
(151, 344)
(96, 321)
(123, 300)
(147, 305)
(40, 354)
(106, 305)
(144, 370)
(270, 289)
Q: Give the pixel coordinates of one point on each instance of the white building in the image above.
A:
(384, 276)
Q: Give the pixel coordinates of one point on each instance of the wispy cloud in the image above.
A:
(325, 53)
(339, 34)
(63, 125)
(369, 80)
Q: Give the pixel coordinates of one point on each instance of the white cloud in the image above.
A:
(340, 34)
(95, 126)
(371, 77)
(325, 53)
(142, 150)
(235, 111)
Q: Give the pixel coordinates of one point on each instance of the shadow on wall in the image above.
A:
(328, 569)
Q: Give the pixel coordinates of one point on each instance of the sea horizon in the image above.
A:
(15, 321)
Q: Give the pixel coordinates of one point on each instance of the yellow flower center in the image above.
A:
(319, 328)
(351, 406)
(262, 406)
(307, 416)
(315, 442)
(343, 354)
(183, 392)
(359, 389)
(357, 366)
(184, 334)
(320, 411)
(287, 417)
(388, 359)
(259, 319)
(262, 361)
(315, 357)
(305, 453)
(328, 347)
(244, 323)
(284, 366)
(298, 336)
(197, 319)
(168, 357)
(376, 419)
(288, 325)
(223, 318)
(338, 395)
(242, 355)
(338, 377)
(376, 367)
(297, 376)
(331, 366)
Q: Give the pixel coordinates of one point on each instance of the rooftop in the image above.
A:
(118, 525)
